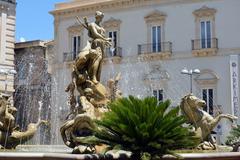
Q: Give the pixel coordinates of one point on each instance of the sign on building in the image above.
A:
(234, 85)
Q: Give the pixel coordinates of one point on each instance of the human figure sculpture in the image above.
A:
(93, 95)
(92, 55)
(204, 123)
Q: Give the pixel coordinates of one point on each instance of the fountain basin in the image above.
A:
(67, 156)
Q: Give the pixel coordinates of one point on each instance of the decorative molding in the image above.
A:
(205, 12)
(155, 16)
(76, 28)
(155, 75)
(154, 56)
(112, 23)
(90, 6)
(207, 77)
(205, 52)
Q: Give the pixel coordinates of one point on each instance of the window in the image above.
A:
(113, 31)
(113, 36)
(155, 22)
(207, 96)
(158, 94)
(156, 39)
(206, 34)
(76, 45)
(205, 42)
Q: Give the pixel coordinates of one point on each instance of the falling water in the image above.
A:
(133, 75)
(32, 95)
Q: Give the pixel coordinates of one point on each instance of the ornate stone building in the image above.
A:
(7, 40)
(152, 42)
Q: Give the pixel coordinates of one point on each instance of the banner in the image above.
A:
(234, 84)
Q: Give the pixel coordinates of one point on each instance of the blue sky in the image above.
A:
(33, 20)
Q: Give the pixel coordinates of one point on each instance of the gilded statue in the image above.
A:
(93, 53)
(93, 95)
(203, 122)
(10, 136)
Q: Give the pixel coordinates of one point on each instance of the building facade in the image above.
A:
(7, 40)
(153, 41)
(32, 94)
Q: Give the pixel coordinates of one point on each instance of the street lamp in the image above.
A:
(6, 72)
(190, 72)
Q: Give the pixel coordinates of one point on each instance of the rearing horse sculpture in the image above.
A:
(204, 123)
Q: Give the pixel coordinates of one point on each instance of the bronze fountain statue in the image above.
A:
(94, 96)
(203, 122)
(10, 135)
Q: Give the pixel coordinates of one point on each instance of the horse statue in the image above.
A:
(203, 122)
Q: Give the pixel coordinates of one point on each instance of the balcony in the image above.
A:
(205, 47)
(155, 50)
(113, 54)
(69, 56)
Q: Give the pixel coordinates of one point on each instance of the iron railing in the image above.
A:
(113, 52)
(155, 48)
(110, 52)
(198, 44)
(69, 56)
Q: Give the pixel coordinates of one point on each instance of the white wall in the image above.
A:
(180, 30)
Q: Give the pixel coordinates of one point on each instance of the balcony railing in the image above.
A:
(114, 52)
(155, 48)
(69, 56)
(110, 52)
(198, 44)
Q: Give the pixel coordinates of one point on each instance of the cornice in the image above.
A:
(37, 43)
(112, 23)
(155, 16)
(86, 8)
(75, 28)
(204, 12)
(211, 80)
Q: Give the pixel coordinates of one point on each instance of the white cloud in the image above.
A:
(22, 39)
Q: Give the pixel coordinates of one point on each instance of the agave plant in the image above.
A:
(144, 127)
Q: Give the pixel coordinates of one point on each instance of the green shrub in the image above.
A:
(144, 127)
(234, 136)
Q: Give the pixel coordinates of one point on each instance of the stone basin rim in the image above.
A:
(60, 156)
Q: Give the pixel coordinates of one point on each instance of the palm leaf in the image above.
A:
(143, 126)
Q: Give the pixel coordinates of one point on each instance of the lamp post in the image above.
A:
(190, 72)
(6, 72)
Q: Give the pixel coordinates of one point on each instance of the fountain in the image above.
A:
(94, 96)
(88, 101)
